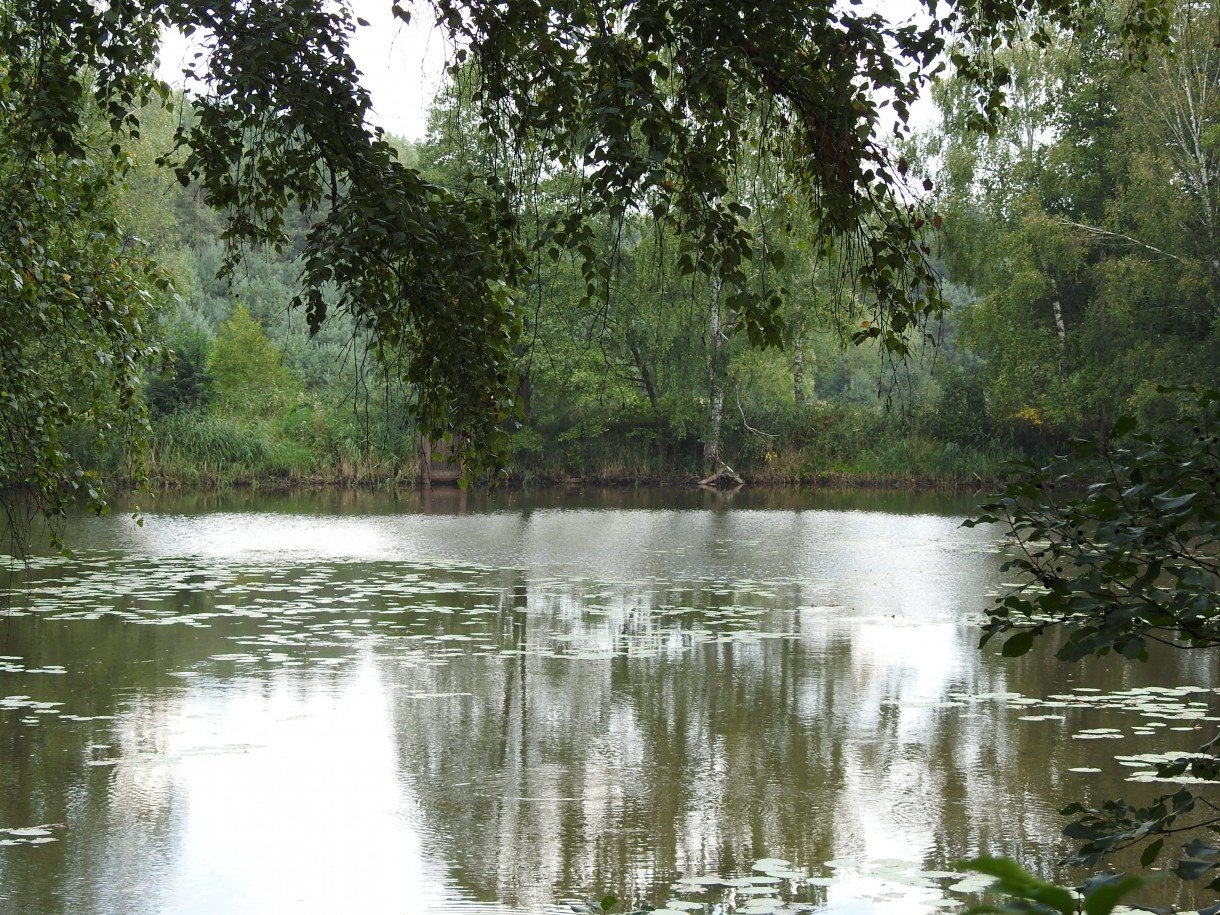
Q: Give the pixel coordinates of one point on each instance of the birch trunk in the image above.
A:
(711, 445)
(1060, 329)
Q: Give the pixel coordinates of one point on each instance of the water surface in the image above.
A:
(349, 702)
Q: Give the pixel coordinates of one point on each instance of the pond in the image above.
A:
(768, 701)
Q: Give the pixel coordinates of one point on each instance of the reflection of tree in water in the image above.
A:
(560, 771)
(567, 734)
(118, 821)
(107, 778)
(559, 775)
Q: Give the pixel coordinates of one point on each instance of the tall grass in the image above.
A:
(821, 444)
(210, 449)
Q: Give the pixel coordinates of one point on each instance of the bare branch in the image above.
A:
(1105, 233)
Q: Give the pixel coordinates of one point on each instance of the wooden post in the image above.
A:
(425, 463)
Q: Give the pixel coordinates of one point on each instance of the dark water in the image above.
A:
(348, 702)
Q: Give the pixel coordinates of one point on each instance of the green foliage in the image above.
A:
(249, 371)
(648, 108)
(184, 383)
(1023, 892)
(1086, 223)
(746, 149)
(961, 414)
(1117, 545)
(209, 442)
(658, 106)
(76, 295)
(1118, 542)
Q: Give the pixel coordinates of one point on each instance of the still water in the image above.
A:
(338, 702)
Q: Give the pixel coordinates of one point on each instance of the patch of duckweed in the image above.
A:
(29, 705)
(30, 835)
(1175, 708)
(338, 604)
(873, 881)
(12, 664)
(1147, 763)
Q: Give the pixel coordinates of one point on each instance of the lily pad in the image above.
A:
(766, 864)
(705, 880)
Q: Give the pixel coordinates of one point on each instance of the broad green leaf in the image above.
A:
(1149, 854)
(1102, 896)
(1018, 644)
(1015, 881)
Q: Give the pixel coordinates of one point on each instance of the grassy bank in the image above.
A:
(818, 445)
(308, 444)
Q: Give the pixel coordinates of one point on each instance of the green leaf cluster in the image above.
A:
(77, 295)
(1118, 543)
(1118, 546)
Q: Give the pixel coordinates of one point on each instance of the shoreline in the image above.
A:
(831, 481)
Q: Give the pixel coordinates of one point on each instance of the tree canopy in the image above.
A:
(649, 108)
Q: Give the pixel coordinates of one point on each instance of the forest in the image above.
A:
(1077, 250)
(1072, 241)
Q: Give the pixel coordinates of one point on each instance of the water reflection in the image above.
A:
(362, 708)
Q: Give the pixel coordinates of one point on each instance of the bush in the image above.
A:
(184, 384)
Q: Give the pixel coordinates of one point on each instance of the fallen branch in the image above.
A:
(724, 473)
(765, 436)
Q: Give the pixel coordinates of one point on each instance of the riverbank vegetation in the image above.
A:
(599, 315)
(1080, 284)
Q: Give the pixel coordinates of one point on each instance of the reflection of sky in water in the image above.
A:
(406, 713)
(296, 803)
(866, 553)
(290, 800)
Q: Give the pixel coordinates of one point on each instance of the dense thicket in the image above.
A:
(653, 381)
(1086, 227)
(1074, 246)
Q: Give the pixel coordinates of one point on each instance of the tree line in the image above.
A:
(1075, 246)
(655, 193)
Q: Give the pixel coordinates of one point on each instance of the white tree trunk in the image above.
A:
(711, 445)
(1061, 329)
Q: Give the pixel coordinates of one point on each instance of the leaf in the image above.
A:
(1017, 882)
(1168, 503)
(1081, 830)
(1102, 895)
(1150, 853)
(1018, 644)
(1123, 426)
(1172, 769)
(1193, 868)
(1197, 848)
